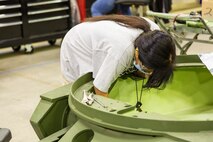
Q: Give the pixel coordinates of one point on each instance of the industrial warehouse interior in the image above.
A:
(25, 76)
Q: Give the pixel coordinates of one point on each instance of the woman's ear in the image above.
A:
(136, 55)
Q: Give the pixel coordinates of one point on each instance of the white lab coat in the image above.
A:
(104, 48)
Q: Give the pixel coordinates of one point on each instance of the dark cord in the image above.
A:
(139, 103)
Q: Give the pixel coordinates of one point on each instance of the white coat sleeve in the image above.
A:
(108, 73)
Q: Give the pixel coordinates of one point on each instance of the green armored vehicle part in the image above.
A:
(183, 111)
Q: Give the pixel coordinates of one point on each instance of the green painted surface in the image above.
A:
(179, 111)
(57, 94)
(189, 96)
(183, 111)
(52, 112)
(83, 131)
(56, 136)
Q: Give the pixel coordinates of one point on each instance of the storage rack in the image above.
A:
(23, 22)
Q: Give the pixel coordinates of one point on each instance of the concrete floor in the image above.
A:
(24, 77)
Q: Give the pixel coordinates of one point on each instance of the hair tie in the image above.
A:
(170, 58)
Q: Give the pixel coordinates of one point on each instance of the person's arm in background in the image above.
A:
(102, 7)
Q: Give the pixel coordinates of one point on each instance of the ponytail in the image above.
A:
(129, 21)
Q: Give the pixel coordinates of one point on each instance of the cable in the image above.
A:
(139, 103)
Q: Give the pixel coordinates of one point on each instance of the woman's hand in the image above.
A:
(98, 92)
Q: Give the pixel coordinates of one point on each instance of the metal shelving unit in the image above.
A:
(10, 22)
(26, 21)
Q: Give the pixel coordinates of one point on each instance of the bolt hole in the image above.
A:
(112, 110)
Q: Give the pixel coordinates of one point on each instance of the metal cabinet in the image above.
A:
(10, 22)
(27, 21)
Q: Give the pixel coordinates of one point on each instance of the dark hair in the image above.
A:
(157, 51)
(129, 21)
(156, 48)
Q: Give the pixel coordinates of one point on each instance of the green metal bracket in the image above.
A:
(52, 112)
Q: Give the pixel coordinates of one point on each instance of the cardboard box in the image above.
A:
(207, 10)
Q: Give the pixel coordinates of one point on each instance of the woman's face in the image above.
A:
(143, 70)
(140, 66)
